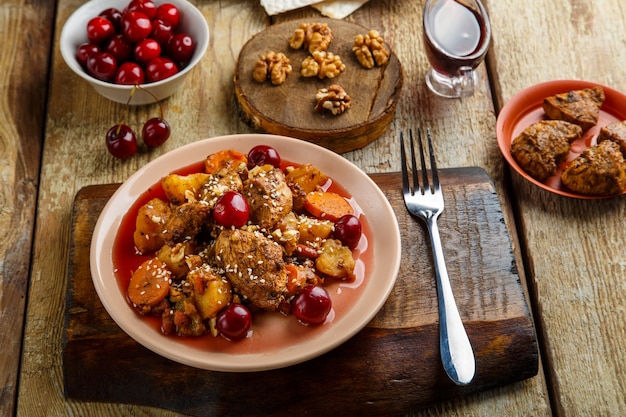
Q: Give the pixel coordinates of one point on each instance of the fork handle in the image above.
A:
(457, 355)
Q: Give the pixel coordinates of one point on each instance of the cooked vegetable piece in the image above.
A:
(228, 158)
(149, 285)
(149, 225)
(335, 260)
(327, 205)
(211, 292)
(181, 189)
(303, 180)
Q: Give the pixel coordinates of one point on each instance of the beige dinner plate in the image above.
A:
(283, 340)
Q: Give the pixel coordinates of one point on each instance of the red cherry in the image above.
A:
(161, 32)
(234, 322)
(114, 16)
(136, 26)
(147, 50)
(83, 52)
(160, 68)
(121, 141)
(99, 29)
(348, 230)
(312, 305)
(263, 154)
(102, 65)
(180, 47)
(120, 48)
(169, 13)
(146, 7)
(155, 132)
(231, 210)
(130, 73)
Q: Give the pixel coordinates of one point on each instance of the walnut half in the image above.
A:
(333, 99)
(322, 64)
(273, 66)
(312, 37)
(370, 49)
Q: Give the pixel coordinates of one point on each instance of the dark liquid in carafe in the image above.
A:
(454, 34)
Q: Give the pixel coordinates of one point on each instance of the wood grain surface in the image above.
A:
(398, 350)
(22, 120)
(569, 253)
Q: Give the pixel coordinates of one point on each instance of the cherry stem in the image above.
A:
(153, 96)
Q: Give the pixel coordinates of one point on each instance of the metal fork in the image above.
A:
(426, 202)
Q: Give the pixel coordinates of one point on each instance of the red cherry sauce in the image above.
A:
(270, 331)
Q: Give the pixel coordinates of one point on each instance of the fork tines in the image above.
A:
(433, 164)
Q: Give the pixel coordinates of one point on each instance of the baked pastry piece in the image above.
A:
(581, 107)
(542, 146)
(598, 170)
(615, 132)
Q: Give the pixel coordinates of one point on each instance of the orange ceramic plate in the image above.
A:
(525, 108)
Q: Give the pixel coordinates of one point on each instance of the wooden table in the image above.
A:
(570, 253)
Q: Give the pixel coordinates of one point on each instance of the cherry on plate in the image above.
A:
(121, 141)
(262, 155)
(348, 230)
(234, 322)
(312, 305)
(231, 210)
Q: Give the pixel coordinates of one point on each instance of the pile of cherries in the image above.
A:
(137, 45)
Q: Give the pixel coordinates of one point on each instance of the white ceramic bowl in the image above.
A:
(74, 34)
(354, 306)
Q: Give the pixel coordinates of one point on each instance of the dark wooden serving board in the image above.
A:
(391, 367)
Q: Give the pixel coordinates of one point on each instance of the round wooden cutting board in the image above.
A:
(288, 109)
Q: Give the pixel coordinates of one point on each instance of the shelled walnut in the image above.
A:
(370, 49)
(273, 66)
(312, 37)
(322, 64)
(333, 99)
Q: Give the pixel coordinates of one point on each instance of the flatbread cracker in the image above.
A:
(338, 9)
(273, 7)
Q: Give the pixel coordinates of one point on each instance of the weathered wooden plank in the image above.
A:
(398, 350)
(574, 250)
(25, 41)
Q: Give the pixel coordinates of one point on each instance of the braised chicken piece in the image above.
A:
(542, 146)
(268, 195)
(254, 264)
(186, 222)
(581, 107)
(598, 170)
(615, 132)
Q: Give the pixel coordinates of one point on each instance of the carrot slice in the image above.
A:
(228, 158)
(149, 285)
(327, 205)
(296, 279)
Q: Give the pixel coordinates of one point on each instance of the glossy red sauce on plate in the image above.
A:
(270, 331)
